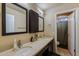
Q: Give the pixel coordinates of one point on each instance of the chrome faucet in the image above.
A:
(19, 43)
(34, 38)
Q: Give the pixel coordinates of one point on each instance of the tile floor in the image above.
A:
(63, 52)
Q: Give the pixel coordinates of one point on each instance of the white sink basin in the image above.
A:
(23, 51)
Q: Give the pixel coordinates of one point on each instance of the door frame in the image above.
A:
(66, 11)
(73, 51)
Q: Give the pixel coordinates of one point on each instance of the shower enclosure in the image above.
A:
(62, 31)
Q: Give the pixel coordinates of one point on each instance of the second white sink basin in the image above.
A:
(23, 51)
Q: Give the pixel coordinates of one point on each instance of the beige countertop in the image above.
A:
(37, 46)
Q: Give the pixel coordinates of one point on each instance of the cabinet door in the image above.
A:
(33, 21)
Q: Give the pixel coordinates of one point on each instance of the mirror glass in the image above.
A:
(41, 24)
(15, 18)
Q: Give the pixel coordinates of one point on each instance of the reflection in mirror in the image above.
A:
(15, 18)
(9, 23)
(41, 23)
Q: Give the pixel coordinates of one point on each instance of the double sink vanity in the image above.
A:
(15, 21)
(36, 48)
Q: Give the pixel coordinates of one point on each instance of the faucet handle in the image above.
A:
(31, 39)
(19, 43)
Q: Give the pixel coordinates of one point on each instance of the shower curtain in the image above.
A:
(62, 31)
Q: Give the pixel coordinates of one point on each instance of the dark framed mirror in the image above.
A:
(41, 24)
(33, 21)
(14, 19)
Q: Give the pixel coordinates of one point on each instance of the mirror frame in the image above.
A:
(4, 20)
(43, 25)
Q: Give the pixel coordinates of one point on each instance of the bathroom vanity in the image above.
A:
(15, 21)
(36, 48)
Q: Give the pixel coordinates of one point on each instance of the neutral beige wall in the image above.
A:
(6, 42)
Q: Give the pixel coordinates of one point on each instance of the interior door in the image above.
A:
(71, 32)
(77, 32)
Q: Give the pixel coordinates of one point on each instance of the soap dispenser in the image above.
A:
(15, 45)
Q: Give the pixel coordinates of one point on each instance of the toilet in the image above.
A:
(58, 43)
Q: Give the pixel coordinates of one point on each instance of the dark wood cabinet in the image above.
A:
(33, 21)
(47, 50)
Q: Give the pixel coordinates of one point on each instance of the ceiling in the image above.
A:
(43, 6)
